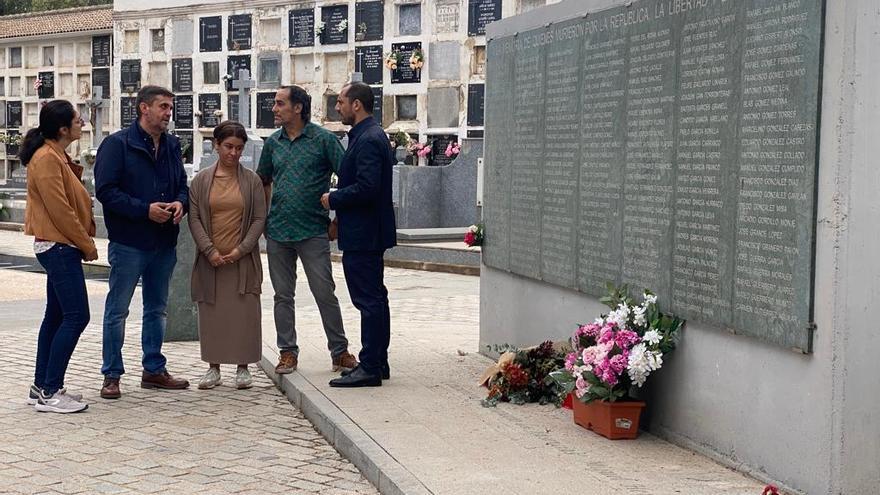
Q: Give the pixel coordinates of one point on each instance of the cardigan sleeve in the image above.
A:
(258, 222)
(196, 227)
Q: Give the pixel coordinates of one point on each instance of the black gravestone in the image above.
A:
(438, 150)
(481, 13)
(182, 74)
(130, 76)
(265, 117)
(404, 74)
(234, 63)
(101, 78)
(369, 19)
(102, 51)
(186, 145)
(47, 86)
(208, 104)
(127, 111)
(13, 114)
(210, 31)
(232, 107)
(475, 104)
(13, 149)
(332, 16)
(240, 32)
(377, 104)
(183, 112)
(302, 28)
(369, 62)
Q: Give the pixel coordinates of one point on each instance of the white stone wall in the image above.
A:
(73, 72)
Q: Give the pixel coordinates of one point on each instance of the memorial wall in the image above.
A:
(670, 145)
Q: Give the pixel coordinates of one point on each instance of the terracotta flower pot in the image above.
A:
(612, 420)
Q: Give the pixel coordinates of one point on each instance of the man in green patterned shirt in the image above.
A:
(295, 166)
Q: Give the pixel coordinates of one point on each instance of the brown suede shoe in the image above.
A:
(162, 380)
(287, 363)
(344, 362)
(110, 389)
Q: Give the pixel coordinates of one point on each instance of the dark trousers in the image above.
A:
(364, 276)
(67, 314)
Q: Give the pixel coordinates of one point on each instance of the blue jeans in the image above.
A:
(364, 276)
(67, 314)
(154, 268)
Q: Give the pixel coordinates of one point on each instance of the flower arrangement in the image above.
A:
(474, 235)
(361, 32)
(521, 376)
(452, 149)
(319, 28)
(38, 83)
(11, 139)
(88, 157)
(392, 60)
(416, 60)
(401, 139)
(218, 113)
(618, 350)
(342, 26)
(419, 149)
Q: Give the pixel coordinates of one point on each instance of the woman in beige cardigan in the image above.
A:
(226, 217)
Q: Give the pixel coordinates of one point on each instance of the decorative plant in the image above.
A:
(88, 156)
(361, 32)
(11, 139)
(319, 28)
(419, 149)
(620, 349)
(416, 60)
(38, 83)
(474, 235)
(452, 149)
(342, 26)
(521, 375)
(218, 113)
(392, 59)
(401, 139)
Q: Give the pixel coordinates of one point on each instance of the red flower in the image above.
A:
(469, 238)
(516, 376)
(770, 490)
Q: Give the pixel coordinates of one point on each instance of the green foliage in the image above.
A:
(527, 378)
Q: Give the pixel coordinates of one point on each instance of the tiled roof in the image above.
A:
(57, 21)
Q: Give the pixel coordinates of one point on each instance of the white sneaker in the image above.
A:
(34, 395)
(210, 380)
(59, 402)
(243, 378)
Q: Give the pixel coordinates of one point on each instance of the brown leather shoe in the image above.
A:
(162, 380)
(287, 363)
(344, 362)
(110, 388)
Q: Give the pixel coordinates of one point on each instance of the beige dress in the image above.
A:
(229, 329)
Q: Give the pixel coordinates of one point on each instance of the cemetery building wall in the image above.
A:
(57, 44)
(808, 421)
(454, 59)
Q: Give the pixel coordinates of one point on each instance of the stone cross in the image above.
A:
(243, 84)
(97, 103)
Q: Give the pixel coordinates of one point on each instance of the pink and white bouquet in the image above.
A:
(452, 149)
(619, 350)
(474, 235)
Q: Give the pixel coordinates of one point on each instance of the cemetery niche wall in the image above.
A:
(665, 145)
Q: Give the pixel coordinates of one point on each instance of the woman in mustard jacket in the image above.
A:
(59, 216)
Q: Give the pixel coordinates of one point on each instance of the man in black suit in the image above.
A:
(366, 229)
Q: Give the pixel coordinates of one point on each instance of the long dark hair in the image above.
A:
(54, 115)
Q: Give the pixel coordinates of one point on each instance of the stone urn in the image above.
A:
(400, 153)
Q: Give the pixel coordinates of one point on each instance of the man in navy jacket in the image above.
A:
(141, 184)
(366, 229)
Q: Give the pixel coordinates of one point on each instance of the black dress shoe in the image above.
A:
(357, 378)
(386, 371)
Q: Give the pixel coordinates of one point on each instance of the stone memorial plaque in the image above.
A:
(481, 13)
(377, 104)
(102, 51)
(127, 111)
(409, 19)
(210, 34)
(665, 145)
(476, 104)
(182, 75)
(235, 63)
(182, 37)
(240, 32)
(183, 112)
(186, 145)
(438, 150)
(13, 114)
(446, 20)
(335, 32)
(302, 28)
(404, 74)
(209, 103)
(368, 61)
(101, 77)
(47, 88)
(130, 76)
(232, 107)
(265, 117)
(369, 20)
